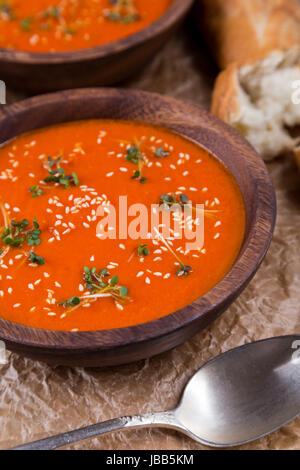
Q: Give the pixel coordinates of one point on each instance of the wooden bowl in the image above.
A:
(96, 66)
(124, 345)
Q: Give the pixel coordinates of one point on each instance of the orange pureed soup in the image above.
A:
(57, 273)
(66, 25)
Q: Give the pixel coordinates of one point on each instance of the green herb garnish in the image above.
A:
(72, 302)
(98, 284)
(36, 191)
(26, 24)
(58, 175)
(69, 31)
(134, 155)
(183, 270)
(168, 200)
(17, 232)
(52, 12)
(160, 152)
(143, 250)
(122, 11)
(36, 259)
(7, 11)
(33, 237)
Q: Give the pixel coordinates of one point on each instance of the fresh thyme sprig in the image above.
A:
(99, 285)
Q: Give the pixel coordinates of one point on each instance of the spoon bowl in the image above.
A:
(235, 398)
(244, 393)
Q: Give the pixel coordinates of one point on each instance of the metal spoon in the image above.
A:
(235, 398)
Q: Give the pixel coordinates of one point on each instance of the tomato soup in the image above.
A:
(57, 186)
(66, 25)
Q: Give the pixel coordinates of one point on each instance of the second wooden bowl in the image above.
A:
(100, 65)
(111, 347)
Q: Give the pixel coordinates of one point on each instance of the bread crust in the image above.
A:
(296, 153)
(241, 29)
(225, 103)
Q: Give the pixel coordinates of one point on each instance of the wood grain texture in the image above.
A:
(111, 347)
(97, 66)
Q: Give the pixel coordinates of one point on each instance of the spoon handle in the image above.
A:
(165, 419)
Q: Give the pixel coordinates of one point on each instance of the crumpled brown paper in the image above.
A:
(36, 400)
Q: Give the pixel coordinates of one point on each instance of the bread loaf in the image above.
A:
(257, 42)
(256, 99)
(239, 30)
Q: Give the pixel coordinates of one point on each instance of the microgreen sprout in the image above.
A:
(161, 152)
(143, 250)
(17, 232)
(36, 191)
(183, 269)
(36, 259)
(168, 200)
(99, 284)
(122, 11)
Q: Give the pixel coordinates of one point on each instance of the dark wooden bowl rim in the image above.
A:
(247, 263)
(176, 11)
